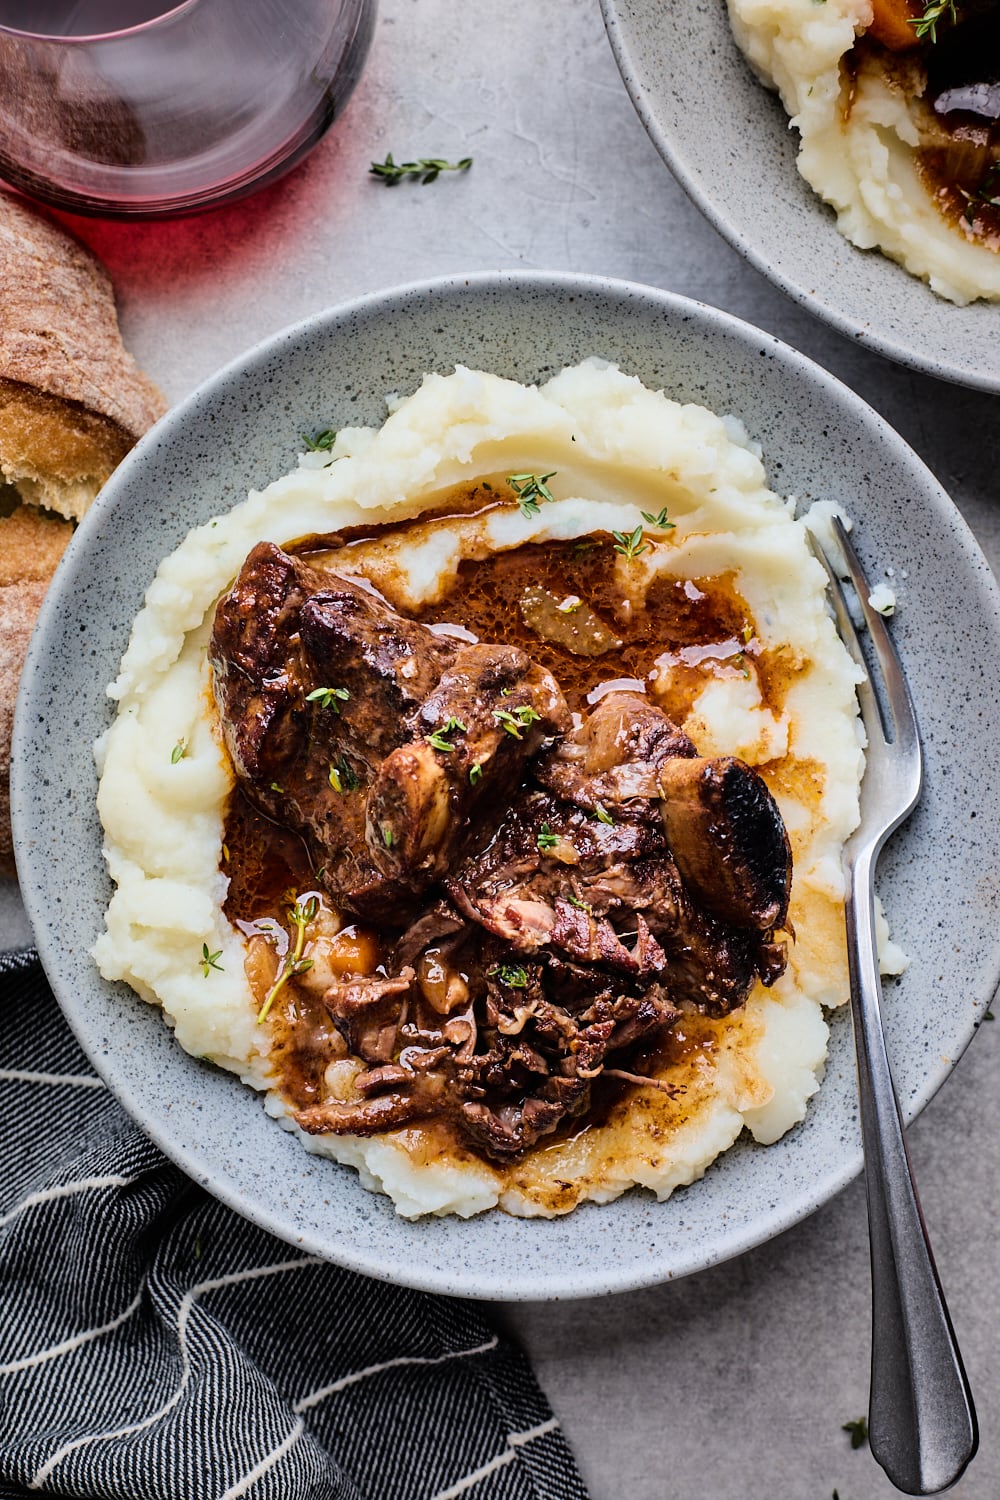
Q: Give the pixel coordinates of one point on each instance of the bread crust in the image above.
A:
(58, 325)
(72, 403)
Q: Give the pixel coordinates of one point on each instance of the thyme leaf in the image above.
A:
(439, 739)
(210, 960)
(322, 442)
(342, 778)
(602, 814)
(659, 520)
(531, 490)
(858, 1431)
(516, 719)
(300, 914)
(178, 752)
(475, 773)
(630, 544)
(328, 697)
(934, 11)
(512, 975)
(426, 169)
(546, 838)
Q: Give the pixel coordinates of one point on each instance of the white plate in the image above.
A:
(727, 141)
(242, 429)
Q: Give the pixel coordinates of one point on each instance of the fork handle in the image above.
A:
(921, 1420)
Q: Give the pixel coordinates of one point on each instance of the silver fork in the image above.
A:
(921, 1419)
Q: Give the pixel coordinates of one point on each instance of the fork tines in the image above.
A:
(887, 710)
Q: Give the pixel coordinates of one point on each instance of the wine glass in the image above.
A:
(140, 108)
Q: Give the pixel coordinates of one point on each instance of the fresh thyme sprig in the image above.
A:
(659, 521)
(209, 960)
(300, 916)
(934, 11)
(328, 697)
(516, 719)
(322, 442)
(531, 490)
(426, 169)
(630, 544)
(546, 838)
(439, 739)
(511, 975)
(342, 778)
(580, 905)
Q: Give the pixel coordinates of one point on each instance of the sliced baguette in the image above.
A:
(72, 404)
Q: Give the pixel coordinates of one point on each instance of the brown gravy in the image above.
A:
(965, 200)
(686, 632)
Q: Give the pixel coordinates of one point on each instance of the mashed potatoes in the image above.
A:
(617, 450)
(862, 130)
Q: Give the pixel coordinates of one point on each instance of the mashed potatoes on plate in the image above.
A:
(780, 695)
(883, 139)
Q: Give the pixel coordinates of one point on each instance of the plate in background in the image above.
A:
(727, 140)
(241, 430)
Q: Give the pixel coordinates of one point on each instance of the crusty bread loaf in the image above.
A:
(72, 403)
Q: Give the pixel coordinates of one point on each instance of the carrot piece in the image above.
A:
(891, 24)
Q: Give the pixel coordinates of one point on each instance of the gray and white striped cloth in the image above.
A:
(155, 1346)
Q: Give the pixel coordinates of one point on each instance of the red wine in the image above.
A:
(80, 17)
(137, 107)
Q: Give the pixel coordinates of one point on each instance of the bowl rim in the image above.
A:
(460, 1280)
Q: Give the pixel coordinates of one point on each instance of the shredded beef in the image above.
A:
(551, 895)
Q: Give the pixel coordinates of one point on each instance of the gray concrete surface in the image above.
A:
(732, 1385)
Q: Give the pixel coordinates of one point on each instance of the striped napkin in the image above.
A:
(155, 1346)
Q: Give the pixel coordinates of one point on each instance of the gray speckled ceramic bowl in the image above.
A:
(241, 430)
(728, 142)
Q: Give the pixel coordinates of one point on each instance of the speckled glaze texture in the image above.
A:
(728, 142)
(938, 876)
